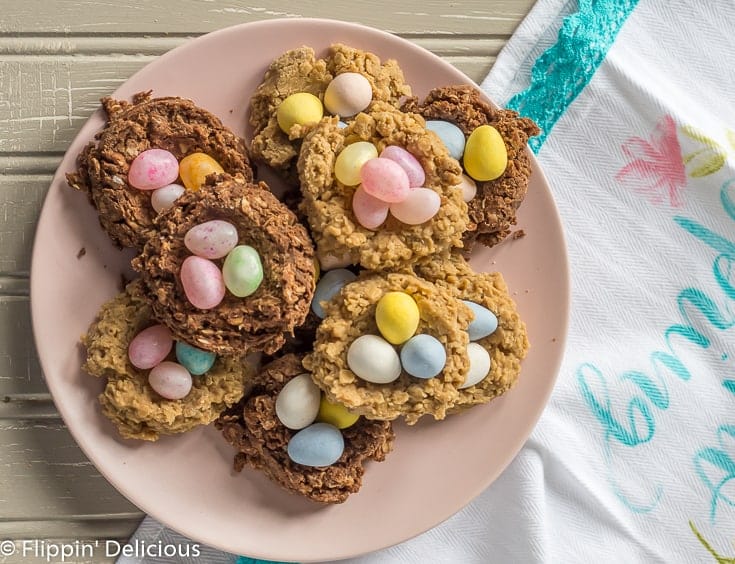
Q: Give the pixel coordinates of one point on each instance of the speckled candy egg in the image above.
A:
(347, 94)
(397, 316)
(170, 380)
(298, 401)
(485, 155)
(373, 359)
(150, 347)
(423, 356)
(329, 286)
(479, 365)
(450, 135)
(320, 444)
(336, 414)
(485, 322)
(195, 360)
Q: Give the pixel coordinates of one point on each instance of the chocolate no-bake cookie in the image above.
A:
(258, 322)
(174, 124)
(493, 210)
(261, 440)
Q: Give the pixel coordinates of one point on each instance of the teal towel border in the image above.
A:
(564, 69)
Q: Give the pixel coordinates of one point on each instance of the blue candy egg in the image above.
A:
(320, 444)
(451, 136)
(485, 322)
(341, 124)
(329, 286)
(195, 360)
(423, 356)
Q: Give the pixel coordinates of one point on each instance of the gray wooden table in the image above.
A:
(57, 58)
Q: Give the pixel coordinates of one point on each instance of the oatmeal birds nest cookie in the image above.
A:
(172, 124)
(299, 71)
(352, 315)
(493, 209)
(261, 440)
(128, 400)
(328, 203)
(258, 322)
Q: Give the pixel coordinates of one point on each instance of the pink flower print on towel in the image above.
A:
(655, 168)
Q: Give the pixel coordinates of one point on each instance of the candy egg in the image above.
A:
(369, 211)
(468, 187)
(397, 315)
(150, 347)
(348, 94)
(298, 401)
(164, 198)
(195, 168)
(170, 380)
(408, 163)
(423, 356)
(451, 136)
(384, 179)
(301, 108)
(211, 239)
(195, 360)
(243, 271)
(479, 365)
(485, 322)
(485, 156)
(374, 359)
(335, 414)
(350, 160)
(341, 124)
(202, 282)
(320, 444)
(152, 169)
(420, 205)
(329, 286)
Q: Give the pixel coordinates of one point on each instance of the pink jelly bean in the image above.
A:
(170, 380)
(152, 169)
(150, 347)
(408, 162)
(203, 283)
(212, 239)
(384, 179)
(369, 211)
(420, 206)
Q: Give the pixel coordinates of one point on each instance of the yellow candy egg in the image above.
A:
(194, 169)
(335, 414)
(300, 108)
(349, 162)
(397, 316)
(485, 155)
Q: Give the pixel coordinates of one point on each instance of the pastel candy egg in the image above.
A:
(243, 271)
(479, 365)
(348, 94)
(350, 160)
(329, 286)
(373, 359)
(202, 282)
(335, 414)
(423, 356)
(152, 169)
(170, 380)
(468, 187)
(485, 322)
(298, 401)
(211, 239)
(195, 168)
(320, 444)
(150, 347)
(420, 205)
(369, 211)
(397, 316)
(341, 124)
(301, 108)
(485, 156)
(164, 198)
(408, 163)
(384, 179)
(195, 360)
(450, 135)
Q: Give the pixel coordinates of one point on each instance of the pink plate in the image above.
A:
(187, 481)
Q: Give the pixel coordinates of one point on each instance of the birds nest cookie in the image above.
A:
(324, 461)
(231, 270)
(491, 143)
(356, 361)
(126, 332)
(296, 89)
(496, 327)
(381, 192)
(132, 170)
